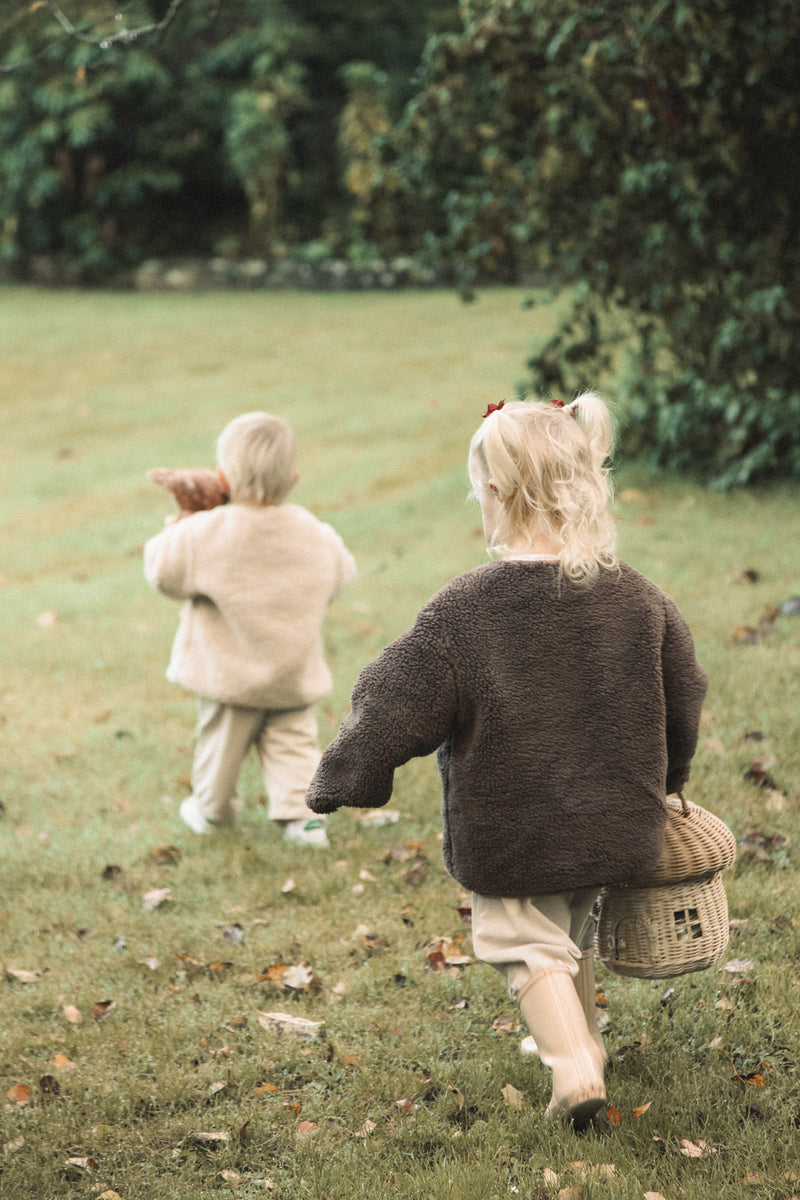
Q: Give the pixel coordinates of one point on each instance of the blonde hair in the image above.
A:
(549, 470)
(257, 454)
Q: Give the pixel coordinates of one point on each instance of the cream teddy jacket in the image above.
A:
(562, 717)
(255, 582)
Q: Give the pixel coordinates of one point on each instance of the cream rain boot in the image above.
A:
(552, 1011)
(585, 987)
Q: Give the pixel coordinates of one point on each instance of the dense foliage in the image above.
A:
(641, 156)
(644, 154)
(169, 126)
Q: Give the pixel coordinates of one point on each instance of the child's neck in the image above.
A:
(535, 544)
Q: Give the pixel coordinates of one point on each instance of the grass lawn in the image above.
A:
(135, 1057)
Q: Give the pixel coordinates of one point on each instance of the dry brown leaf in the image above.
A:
(307, 1129)
(20, 1093)
(16, 1144)
(297, 978)
(268, 1089)
(505, 1025)
(73, 1014)
(653, 1196)
(165, 855)
(642, 1109)
(613, 1115)
(570, 1193)
(406, 1106)
(101, 1009)
(62, 1063)
(366, 1129)
(513, 1097)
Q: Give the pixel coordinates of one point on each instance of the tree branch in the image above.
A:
(124, 35)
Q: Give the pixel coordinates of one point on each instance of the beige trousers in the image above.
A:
(287, 745)
(522, 938)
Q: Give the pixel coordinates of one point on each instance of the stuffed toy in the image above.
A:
(193, 490)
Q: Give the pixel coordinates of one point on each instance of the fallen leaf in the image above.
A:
(268, 1088)
(16, 1144)
(402, 853)
(47, 620)
(20, 1093)
(101, 1009)
(76, 1168)
(642, 1109)
(752, 1179)
(119, 944)
(696, 1149)
(745, 635)
(62, 1063)
(234, 933)
(416, 874)
(152, 963)
(505, 1025)
(570, 1193)
(513, 1097)
(23, 976)
(378, 818)
(613, 1115)
(307, 1129)
(49, 1086)
(156, 897)
(366, 1129)
(288, 887)
(236, 1023)
(166, 855)
(283, 1025)
(737, 966)
(758, 773)
(227, 1176)
(406, 1106)
(653, 1196)
(208, 1141)
(297, 978)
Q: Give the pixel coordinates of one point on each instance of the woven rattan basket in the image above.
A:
(676, 920)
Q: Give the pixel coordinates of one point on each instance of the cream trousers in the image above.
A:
(286, 742)
(521, 938)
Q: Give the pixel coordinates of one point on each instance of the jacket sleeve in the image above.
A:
(685, 684)
(168, 561)
(402, 707)
(346, 569)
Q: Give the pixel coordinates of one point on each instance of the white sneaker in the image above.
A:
(306, 833)
(528, 1047)
(191, 816)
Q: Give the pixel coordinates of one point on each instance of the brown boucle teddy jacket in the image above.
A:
(562, 718)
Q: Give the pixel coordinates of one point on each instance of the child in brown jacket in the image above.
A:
(561, 692)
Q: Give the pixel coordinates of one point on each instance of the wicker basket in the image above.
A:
(676, 920)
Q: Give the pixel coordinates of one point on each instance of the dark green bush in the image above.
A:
(644, 156)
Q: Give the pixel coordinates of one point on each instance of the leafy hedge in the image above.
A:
(646, 156)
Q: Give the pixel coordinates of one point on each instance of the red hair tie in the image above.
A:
(561, 404)
(493, 408)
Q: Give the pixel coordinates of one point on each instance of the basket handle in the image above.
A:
(684, 803)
